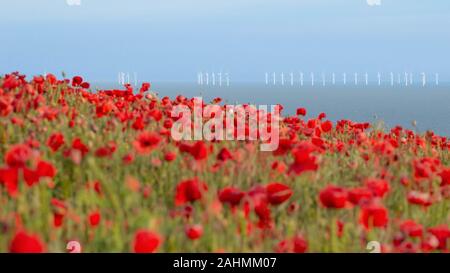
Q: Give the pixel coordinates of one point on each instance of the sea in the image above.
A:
(416, 107)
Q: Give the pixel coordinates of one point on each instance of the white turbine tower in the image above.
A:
(282, 78)
(379, 78)
(344, 78)
(220, 79)
(292, 79)
(333, 78)
(301, 78)
(312, 79)
(213, 75)
(424, 79)
(200, 78)
(406, 78)
(367, 78)
(399, 79)
(437, 78)
(274, 77)
(267, 78)
(356, 78)
(323, 79)
(392, 78)
(227, 77)
(207, 78)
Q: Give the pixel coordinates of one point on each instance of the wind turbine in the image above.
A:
(356, 78)
(379, 78)
(437, 78)
(312, 79)
(333, 78)
(392, 78)
(292, 79)
(367, 78)
(213, 78)
(282, 78)
(274, 76)
(345, 78)
(200, 78)
(267, 78)
(406, 78)
(424, 79)
(301, 78)
(207, 78)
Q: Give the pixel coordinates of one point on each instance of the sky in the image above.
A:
(172, 40)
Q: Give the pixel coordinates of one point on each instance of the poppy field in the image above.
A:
(100, 168)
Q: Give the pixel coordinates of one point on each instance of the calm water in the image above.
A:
(429, 106)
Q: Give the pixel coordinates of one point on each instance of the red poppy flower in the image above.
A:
(58, 219)
(278, 193)
(94, 218)
(359, 195)
(297, 244)
(326, 126)
(18, 155)
(128, 159)
(24, 242)
(146, 241)
(284, 146)
(411, 228)
(301, 111)
(77, 144)
(76, 81)
(333, 197)
(194, 232)
(231, 195)
(146, 142)
(199, 150)
(442, 233)
(373, 215)
(189, 191)
(106, 151)
(170, 156)
(445, 177)
(262, 210)
(145, 87)
(224, 155)
(300, 244)
(9, 177)
(303, 159)
(55, 141)
(379, 187)
(43, 169)
(419, 198)
(85, 85)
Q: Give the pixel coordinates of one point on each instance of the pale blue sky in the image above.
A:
(173, 39)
